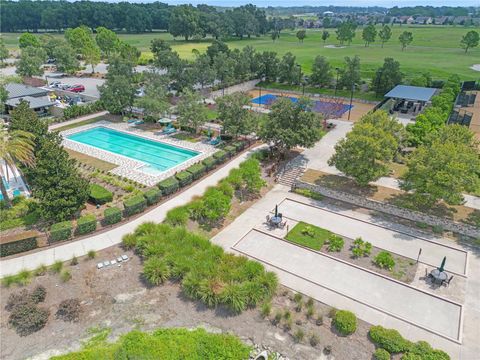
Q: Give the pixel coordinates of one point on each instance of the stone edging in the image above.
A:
(447, 224)
(128, 167)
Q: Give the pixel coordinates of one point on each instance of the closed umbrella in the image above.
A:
(276, 210)
(442, 265)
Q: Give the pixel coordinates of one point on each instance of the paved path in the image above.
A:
(114, 236)
(317, 157)
(77, 120)
(401, 301)
(406, 245)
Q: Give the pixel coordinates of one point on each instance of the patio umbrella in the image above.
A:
(276, 210)
(442, 265)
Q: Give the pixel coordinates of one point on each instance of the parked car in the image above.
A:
(55, 85)
(77, 88)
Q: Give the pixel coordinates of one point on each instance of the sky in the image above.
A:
(286, 3)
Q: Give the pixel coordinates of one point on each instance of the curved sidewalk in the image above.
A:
(114, 236)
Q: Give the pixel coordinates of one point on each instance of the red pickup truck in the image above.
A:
(77, 88)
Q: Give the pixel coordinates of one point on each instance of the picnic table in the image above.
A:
(439, 276)
(276, 220)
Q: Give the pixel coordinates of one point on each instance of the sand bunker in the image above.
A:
(475, 67)
(335, 46)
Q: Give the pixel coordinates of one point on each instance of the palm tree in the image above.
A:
(15, 146)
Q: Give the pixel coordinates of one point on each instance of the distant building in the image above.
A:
(36, 97)
(423, 20)
(328, 13)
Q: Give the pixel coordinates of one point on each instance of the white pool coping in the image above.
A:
(131, 168)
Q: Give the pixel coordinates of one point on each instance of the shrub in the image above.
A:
(197, 170)
(178, 216)
(298, 298)
(220, 156)
(38, 294)
(287, 326)
(40, 270)
(22, 278)
(298, 335)
(28, 318)
(69, 310)
(423, 350)
(112, 215)
(319, 321)
(61, 231)
(384, 260)
(99, 195)
(381, 354)
(19, 246)
(134, 205)
(309, 193)
(152, 195)
(57, 266)
(361, 248)
(388, 339)
(65, 275)
(209, 163)
(168, 186)
(310, 311)
(287, 314)
(156, 271)
(230, 150)
(92, 254)
(184, 178)
(239, 145)
(86, 224)
(314, 340)
(277, 318)
(17, 299)
(345, 322)
(266, 309)
(335, 243)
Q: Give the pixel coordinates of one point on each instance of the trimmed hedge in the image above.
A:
(239, 145)
(220, 156)
(184, 178)
(381, 354)
(152, 195)
(230, 150)
(169, 185)
(389, 339)
(345, 322)
(209, 163)
(86, 224)
(134, 205)
(61, 231)
(99, 195)
(197, 170)
(112, 215)
(19, 246)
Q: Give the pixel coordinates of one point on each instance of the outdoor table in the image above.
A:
(439, 276)
(276, 220)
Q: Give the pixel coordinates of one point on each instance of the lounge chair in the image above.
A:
(131, 121)
(169, 131)
(16, 193)
(139, 122)
(215, 141)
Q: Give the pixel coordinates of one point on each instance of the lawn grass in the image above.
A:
(299, 236)
(187, 137)
(435, 49)
(80, 123)
(22, 213)
(90, 160)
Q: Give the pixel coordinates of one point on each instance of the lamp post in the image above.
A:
(351, 99)
(336, 82)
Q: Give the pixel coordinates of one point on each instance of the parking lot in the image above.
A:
(91, 84)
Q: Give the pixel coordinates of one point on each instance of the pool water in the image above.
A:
(323, 107)
(156, 155)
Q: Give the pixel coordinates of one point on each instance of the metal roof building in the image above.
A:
(19, 90)
(412, 93)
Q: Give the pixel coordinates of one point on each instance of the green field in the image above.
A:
(435, 49)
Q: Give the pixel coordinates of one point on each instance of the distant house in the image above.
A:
(462, 20)
(36, 97)
(423, 20)
(328, 13)
(405, 20)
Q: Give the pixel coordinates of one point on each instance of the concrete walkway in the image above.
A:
(77, 120)
(114, 236)
(317, 157)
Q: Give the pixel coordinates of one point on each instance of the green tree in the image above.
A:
(346, 32)
(366, 150)
(385, 34)
(79, 38)
(301, 35)
(325, 36)
(289, 125)
(27, 39)
(183, 21)
(31, 61)
(350, 75)
(204, 73)
(106, 40)
(224, 66)
(4, 54)
(91, 55)
(268, 65)
(369, 34)
(447, 165)
(321, 72)
(128, 52)
(405, 39)
(236, 119)
(387, 76)
(66, 59)
(154, 102)
(163, 55)
(275, 35)
(470, 40)
(49, 43)
(191, 110)
(288, 70)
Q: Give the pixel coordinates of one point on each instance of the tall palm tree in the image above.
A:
(15, 146)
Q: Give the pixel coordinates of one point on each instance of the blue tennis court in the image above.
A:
(323, 107)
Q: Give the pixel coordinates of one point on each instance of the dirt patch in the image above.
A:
(117, 298)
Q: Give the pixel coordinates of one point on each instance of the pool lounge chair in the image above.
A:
(131, 121)
(215, 141)
(16, 192)
(139, 122)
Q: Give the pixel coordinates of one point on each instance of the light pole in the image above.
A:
(336, 82)
(304, 82)
(351, 99)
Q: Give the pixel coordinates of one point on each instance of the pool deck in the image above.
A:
(128, 167)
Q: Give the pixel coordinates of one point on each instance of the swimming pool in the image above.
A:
(323, 107)
(156, 155)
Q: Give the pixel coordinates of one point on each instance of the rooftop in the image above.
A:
(415, 93)
(19, 90)
(35, 102)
